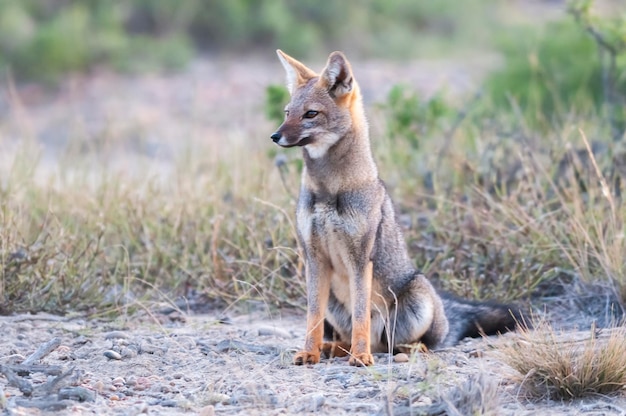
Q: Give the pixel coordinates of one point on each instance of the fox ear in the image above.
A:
(337, 76)
(297, 73)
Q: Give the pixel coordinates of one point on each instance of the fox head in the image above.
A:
(323, 108)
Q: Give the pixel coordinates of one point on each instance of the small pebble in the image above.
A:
(112, 355)
(116, 335)
(143, 380)
(98, 386)
(64, 352)
(114, 397)
(169, 403)
(63, 349)
(118, 381)
(401, 358)
(265, 331)
(142, 383)
(128, 352)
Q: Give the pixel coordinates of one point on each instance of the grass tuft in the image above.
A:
(551, 365)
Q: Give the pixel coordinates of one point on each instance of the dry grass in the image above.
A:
(501, 210)
(553, 365)
(489, 212)
(81, 233)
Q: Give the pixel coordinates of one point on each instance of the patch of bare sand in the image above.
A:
(172, 364)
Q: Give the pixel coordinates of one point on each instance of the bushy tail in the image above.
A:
(473, 319)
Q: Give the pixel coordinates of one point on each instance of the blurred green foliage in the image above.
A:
(548, 69)
(43, 39)
(542, 71)
(410, 117)
(549, 72)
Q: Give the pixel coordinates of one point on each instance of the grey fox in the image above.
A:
(363, 292)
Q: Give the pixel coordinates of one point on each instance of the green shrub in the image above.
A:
(56, 47)
(543, 72)
(43, 42)
(40, 40)
(551, 72)
(143, 53)
(410, 117)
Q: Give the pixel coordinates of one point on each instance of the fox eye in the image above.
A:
(286, 112)
(310, 114)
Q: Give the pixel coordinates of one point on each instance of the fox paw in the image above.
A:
(306, 357)
(362, 359)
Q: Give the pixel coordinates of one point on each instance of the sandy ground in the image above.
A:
(173, 363)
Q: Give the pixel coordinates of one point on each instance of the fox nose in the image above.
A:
(276, 137)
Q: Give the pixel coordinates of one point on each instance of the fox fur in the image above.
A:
(363, 293)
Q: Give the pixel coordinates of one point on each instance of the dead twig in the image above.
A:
(14, 380)
(24, 370)
(77, 393)
(42, 351)
(54, 385)
(47, 403)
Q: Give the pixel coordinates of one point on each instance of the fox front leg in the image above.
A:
(360, 294)
(318, 291)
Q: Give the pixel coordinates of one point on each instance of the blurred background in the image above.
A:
(135, 151)
(216, 58)
(45, 40)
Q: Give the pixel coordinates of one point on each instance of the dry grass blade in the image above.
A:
(552, 364)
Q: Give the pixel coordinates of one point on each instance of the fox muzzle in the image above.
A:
(287, 140)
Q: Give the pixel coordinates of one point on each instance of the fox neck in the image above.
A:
(347, 164)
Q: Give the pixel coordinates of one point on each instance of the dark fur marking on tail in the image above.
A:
(475, 319)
